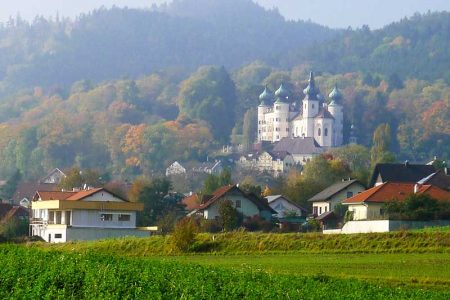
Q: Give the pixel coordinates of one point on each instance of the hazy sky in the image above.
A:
(333, 13)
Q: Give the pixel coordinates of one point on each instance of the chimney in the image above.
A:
(406, 163)
(416, 188)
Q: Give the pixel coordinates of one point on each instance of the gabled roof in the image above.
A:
(56, 171)
(439, 179)
(298, 145)
(8, 211)
(273, 198)
(71, 196)
(326, 215)
(191, 202)
(396, 190)
(278, 154)
(401, 172)
(222, 191)
(28, 190)
(332, 190)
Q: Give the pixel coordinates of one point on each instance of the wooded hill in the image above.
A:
(124, 91)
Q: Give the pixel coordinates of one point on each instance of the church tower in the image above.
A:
(336, 110)
(266, 98)
(281, 114)
(311, 104)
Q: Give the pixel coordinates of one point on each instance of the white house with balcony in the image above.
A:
(83, 215)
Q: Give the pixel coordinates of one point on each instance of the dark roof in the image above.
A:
(222, 191)
(440, 179)
(332, 190)
(298, 145)
(327, 215)
(279, 154)
(273, 198)
(8, 211)
(401, 172)
(324, 114)
(29, 189)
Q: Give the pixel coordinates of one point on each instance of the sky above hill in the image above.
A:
(332, 13)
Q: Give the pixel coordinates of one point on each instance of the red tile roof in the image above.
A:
(391, 190)
(83, 194)
(191, 202)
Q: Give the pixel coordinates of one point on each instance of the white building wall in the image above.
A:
(92, 218)
(338, 131)
(102, 196)
(248, 208)
(288, 207)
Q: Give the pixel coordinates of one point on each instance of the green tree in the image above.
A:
(228, 215)
(249, 128)
(7, 190)
(210, 95)
(157, 202)
(77, 178)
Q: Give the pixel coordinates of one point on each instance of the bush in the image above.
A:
(184, 234)
(228, 215)
(418, 207)
(256, 223)
(14, 228)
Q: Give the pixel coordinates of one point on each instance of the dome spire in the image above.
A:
(282, 93)
(311, 91)
(266, 96)
(335, 95)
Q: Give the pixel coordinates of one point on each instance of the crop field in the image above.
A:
(426, 270)
(30, 273)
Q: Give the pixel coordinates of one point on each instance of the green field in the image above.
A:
(400, 265)
(32, 273)
(431, 270)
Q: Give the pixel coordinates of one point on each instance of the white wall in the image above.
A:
(92, 218)
(288, 207)
(102, 196)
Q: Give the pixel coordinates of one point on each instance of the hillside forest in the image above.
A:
(127, 92)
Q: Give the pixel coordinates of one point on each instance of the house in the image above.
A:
(285, 207)
(405, 172)
(53, 177)
(9, 212)
(247, 204)
(273, 162)
(26, 190)
(327, 199)
(302, 149)
(214, 167)
(369, 205)
(175, 169)
(82, 215)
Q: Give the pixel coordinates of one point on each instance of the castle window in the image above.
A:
(305, 106)
(287, 129)
(319, 132)
(313, 106)
(277, 107)
(326, 132)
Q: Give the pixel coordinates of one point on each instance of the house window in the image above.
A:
(58, 236)
(124, 217)
(349, 194)
(315, 210)
(320, 210)
(238, 203)
(325, 209)
(106, 217)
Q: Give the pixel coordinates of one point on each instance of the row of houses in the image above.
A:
(94, 213)
(389, 182)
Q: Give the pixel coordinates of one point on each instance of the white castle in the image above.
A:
(313, 118)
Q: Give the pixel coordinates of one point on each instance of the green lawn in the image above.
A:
(417, 269)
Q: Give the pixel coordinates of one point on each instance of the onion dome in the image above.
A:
(311, 91)
(282, 93)
(266, 96)
(335, 95)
